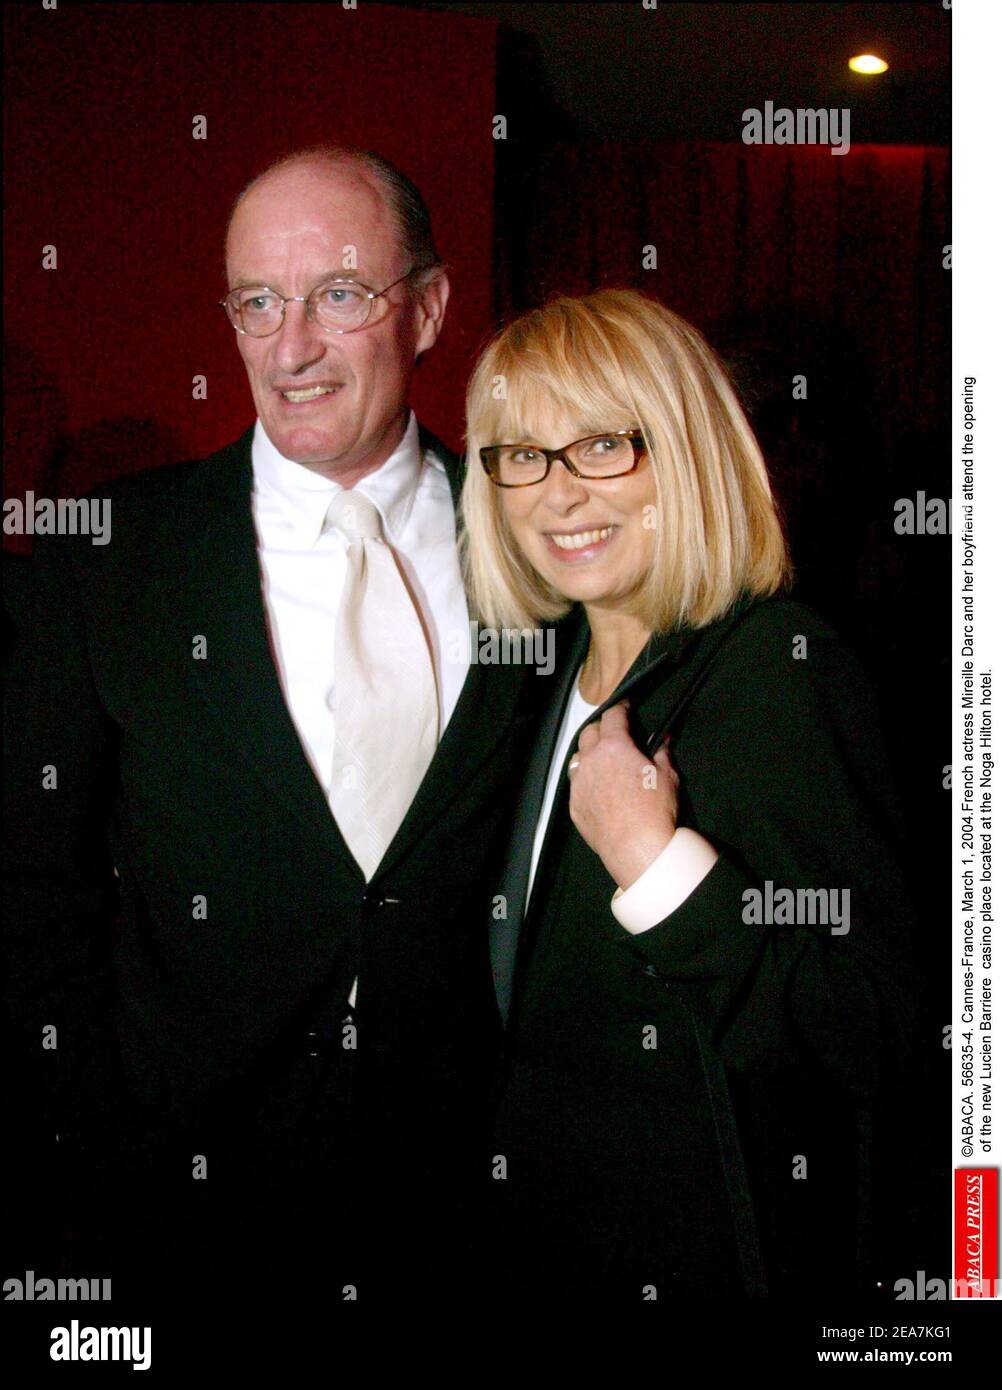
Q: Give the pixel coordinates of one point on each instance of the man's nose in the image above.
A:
(299, 342)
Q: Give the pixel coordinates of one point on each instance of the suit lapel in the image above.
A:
(571, 644)
(238, 678)
(453, 467)
(679, 649)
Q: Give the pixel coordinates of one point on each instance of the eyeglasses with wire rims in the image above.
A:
(338, 305)
(610, 455)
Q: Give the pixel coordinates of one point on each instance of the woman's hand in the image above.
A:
(623, 803)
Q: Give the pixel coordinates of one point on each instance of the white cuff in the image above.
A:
(666, 882)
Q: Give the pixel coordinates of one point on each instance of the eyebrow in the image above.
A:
(246, 284)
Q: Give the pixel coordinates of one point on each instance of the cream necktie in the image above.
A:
(385, 700)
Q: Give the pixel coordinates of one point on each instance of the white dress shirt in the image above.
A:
(304, 568)
(667, 881)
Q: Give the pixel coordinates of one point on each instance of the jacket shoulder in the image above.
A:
(155, 484)
(152, 512)
(428, 440)
(780, 617)
(783, 655)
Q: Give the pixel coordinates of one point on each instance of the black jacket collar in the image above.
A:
(662, 651)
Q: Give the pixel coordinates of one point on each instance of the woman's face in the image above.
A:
(617, 515)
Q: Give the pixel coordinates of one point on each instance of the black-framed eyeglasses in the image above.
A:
(338, 305)
(597, 456)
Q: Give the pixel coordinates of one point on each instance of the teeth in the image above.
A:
(581, 538)
(310, 395)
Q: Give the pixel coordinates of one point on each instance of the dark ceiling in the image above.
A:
(687, 71)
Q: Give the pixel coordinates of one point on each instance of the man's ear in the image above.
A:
(432, 299)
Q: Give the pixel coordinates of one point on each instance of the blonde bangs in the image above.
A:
(552, 366)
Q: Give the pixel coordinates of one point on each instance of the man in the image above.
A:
(255, 752)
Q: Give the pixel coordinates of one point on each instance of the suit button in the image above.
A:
(378, 900)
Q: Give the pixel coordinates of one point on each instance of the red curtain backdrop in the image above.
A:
(794, 262)
(853, 242)
(101, 164)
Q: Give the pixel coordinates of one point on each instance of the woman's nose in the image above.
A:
(560, 487)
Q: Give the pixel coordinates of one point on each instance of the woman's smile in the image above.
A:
(582, 544)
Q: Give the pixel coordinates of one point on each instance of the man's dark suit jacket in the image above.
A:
(724, 1152)
(187, 914)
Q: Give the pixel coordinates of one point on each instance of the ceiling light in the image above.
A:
(867, 63)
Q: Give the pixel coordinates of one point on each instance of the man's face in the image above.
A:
(291, 233)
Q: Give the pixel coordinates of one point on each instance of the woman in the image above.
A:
(709, 969)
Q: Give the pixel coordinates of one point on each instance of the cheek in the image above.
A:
(646, 513)
(516, 520)
(514, 509)
(254, 364)
(644, 535)
(378, 371)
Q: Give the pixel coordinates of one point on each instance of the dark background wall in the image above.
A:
(101, 163)
(622, 132)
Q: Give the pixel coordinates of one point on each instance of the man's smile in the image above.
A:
(306, 395)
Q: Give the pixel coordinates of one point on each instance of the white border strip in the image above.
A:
(977, 353)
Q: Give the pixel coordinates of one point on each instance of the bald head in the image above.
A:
(301, 198)
(402, 197)
(335, 402)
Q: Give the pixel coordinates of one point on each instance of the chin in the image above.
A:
(594, 589)
(305, 446)
(577, 593)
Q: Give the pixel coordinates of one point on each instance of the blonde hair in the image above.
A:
(617, 359)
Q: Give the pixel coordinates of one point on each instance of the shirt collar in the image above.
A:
(304, 496)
